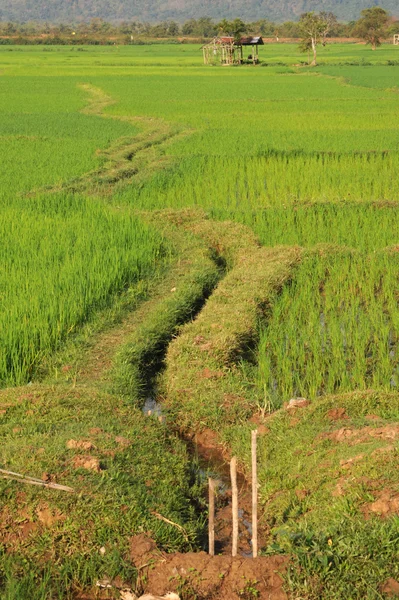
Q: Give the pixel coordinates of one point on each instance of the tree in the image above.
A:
(290, 29)
(234, 28)
(372, 25)
(393, 27)
(189, 27)
(314, 29)
(9, 29)
(263, 26)
(173, 29)
(331, 22)
(206, 27)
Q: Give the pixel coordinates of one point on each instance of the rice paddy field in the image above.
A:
(93, 140)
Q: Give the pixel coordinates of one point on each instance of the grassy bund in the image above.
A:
(228, 237)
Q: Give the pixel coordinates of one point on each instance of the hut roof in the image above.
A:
(244, 41)
(249, 41)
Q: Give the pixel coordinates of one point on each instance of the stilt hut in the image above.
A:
(229, 51)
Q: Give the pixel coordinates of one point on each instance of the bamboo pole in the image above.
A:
(34, 481)
(234, 504)
(211, 522)
(254, 495)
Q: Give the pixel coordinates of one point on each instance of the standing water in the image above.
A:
(209, 461)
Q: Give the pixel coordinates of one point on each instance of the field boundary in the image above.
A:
(179, 286)
(203, 384)
(127, 158)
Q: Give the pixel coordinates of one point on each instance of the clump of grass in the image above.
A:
(203, 382)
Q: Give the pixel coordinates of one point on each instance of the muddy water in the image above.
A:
(209, 461)
(213, 464)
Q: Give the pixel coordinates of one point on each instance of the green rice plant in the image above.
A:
(306, 159)
(333, 328)
(62, 258)
(45, 139)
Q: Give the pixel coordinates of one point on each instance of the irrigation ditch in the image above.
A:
(209, 460)
(130, 366)
(245, 276)
(178, 354)
(143, 370)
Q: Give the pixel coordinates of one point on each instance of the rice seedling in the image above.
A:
(334, 328)
(62, 258)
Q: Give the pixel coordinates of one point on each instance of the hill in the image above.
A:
(180, 10)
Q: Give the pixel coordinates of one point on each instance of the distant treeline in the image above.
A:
(98, 31)
(155, 11)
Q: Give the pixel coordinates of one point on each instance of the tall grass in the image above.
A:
(334, 328)
(271, 179)
(62, 257)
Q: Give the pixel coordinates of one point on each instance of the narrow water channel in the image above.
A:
(208, 461)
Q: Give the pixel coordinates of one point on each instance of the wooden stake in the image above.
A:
(211, 523)
(34, 481)
(234, 504)
(254, 495)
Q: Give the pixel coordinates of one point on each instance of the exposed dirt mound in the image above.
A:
(336, 414)
(385, 504)
(356, 436)
(390, 588)
(201, 576)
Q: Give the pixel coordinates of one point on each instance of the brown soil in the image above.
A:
(197, 575)
(386, 504)
(296, 403)
(336, 414)
(390, 588)
(356, 436)
(48, 517)
(346, 463)
(12, 535)
(90, 463)
(80, 445)
(211, 452)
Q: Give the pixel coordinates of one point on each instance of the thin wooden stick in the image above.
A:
(234, 504)
(211, 523)
(19, 475)
(169, 522)
(34, 481)
(254, 495)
